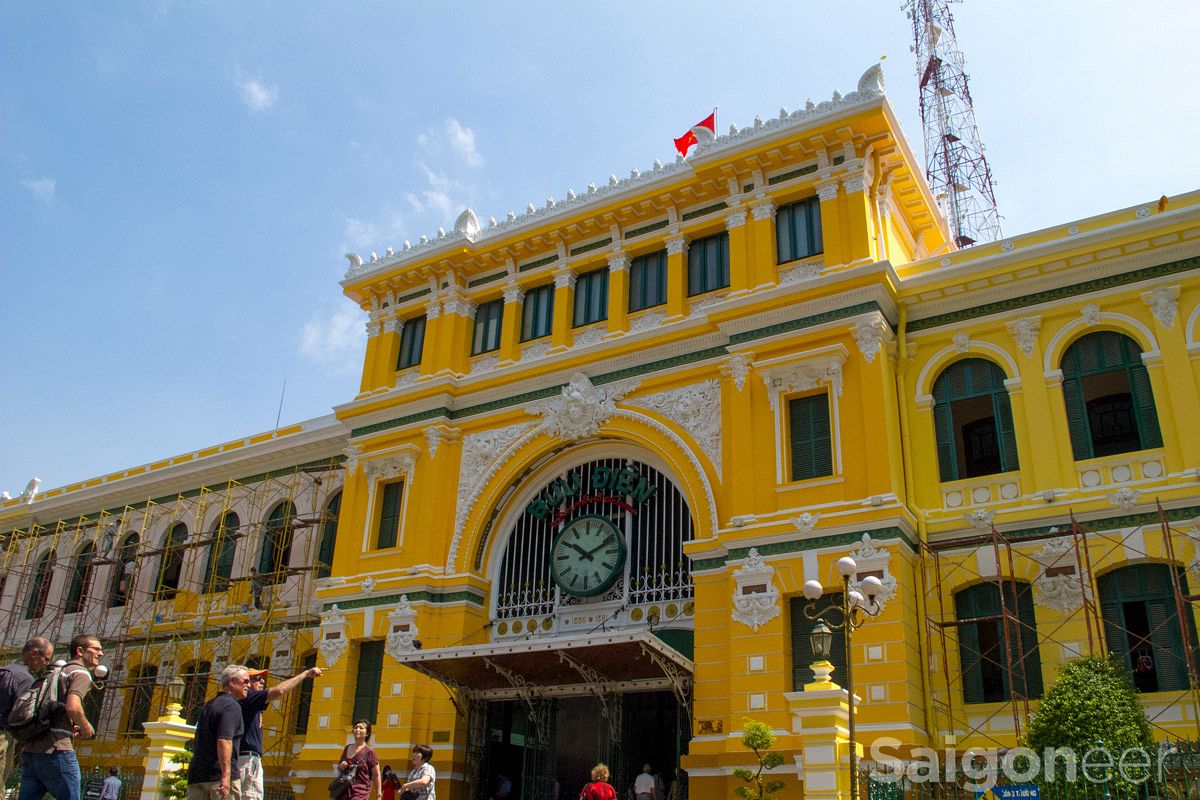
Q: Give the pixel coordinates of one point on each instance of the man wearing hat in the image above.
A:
(249, 761)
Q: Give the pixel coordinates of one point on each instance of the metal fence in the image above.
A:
(1170, 772)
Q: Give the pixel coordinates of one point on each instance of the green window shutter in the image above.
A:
(943, 426)
(1115, 639)
(389, 515)
(412, 342)
(802, 654)
(1143, 405)
(648, 281)
(1006, 435)
(366, 686)
(1077, 418)
(798, 230)
(537, 313)
(228, 550)
(970, 603)
(486, 334)
(591, 297)
(1167, 641)
(708, 264)
(1028, 660)
(811, 440)
(329, 536)
(79, 580)
(304, 699)
(276, 551)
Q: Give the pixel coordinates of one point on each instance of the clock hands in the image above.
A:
(580, 550)
(590, 553)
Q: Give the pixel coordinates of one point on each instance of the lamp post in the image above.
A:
(856, 607)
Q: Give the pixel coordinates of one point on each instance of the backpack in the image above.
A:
(34, 709)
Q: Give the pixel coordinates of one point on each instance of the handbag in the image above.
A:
(409, 794)
(342, 783)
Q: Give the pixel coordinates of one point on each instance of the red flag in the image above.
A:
(685, 142)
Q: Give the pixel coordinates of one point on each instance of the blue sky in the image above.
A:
(179, 181)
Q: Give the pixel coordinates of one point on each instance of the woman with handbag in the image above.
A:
(358, 768)
(419, 785)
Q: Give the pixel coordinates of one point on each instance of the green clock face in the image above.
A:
(588, 556)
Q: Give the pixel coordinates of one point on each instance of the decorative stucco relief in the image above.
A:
(402, 629)
(697, 409)
(755, 597)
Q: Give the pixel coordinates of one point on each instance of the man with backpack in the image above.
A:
(15, 678)
(48, 763)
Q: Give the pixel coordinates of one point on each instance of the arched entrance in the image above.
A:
(591, 629)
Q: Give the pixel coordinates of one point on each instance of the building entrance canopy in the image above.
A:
(608, 663)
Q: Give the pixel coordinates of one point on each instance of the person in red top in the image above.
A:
(599, 788)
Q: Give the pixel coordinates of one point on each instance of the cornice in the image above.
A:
(467, 231)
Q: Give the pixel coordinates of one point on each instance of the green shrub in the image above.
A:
(175, 783)
(759, 739)
(1093, 701)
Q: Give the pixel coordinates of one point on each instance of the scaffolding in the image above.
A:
(180, 587)
(1062, 565)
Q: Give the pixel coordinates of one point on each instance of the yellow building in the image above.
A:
(600, 447)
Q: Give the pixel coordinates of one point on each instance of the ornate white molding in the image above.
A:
(737, 368)
(436, 434)
(870, 335)
(433, 309)
(514, 294)
(800, 273)
(618, 262)
(871, 558)
(1063, 592)
(647, 321)
(402, 630)
(980, 519)
(580, 409)
(374, 322)
(962, 342)
(1025, 333)
(482, 454)
(801, 376)
(806, 523)
(282, 648)
(827, 191)
(735, 219)
(564, 279)
(697, 409)
(393, 324)
(1125, 498)
(353, 454)
(536, 349)
(676, 245)
(1164, 304)
(755, 597)
(1091, 315)
(457, 304)
(485, 362)
(859, 181)
(388, 467)
(764, 208)
(332, 642)
(589, 336)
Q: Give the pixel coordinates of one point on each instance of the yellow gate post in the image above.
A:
(820, 717)
(165, 739)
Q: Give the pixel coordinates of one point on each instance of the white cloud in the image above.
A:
(335, 340)
(43, 189)
(361, 233)
(463, 141)
(256, 95)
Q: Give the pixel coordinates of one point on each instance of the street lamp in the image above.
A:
(849, 615)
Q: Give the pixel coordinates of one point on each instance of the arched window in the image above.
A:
(329, 525)
(171, 562)
(122, 577)
(222, 547)
(1110, 405)
(973, 421)
(195, 687)
(81, 578)
(276, 553)
(1141, 624)
(304, 699)
(141, 696)
(989, 651)
(40, 589)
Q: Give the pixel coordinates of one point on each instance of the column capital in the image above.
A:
(764, 208)
(618, 262)
(513, 294)
(827, 191)
(676, 244)
(564, 278)
(456, 304)
(735, 219)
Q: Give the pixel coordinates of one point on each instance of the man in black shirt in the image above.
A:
(15, 678)
(250, 754)
(218, 738)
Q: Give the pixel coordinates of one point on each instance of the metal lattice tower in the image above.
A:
(955, 166)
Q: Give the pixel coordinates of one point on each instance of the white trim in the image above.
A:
(938, 361)
(1189, 332)
(1068, 331)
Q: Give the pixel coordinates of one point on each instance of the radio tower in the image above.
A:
(957, 170)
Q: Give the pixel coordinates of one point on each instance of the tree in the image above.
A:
(1093, 704)
(1093, 701)
(759, 739)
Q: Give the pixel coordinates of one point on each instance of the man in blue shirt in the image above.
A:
(250, 771)
(218, 736)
